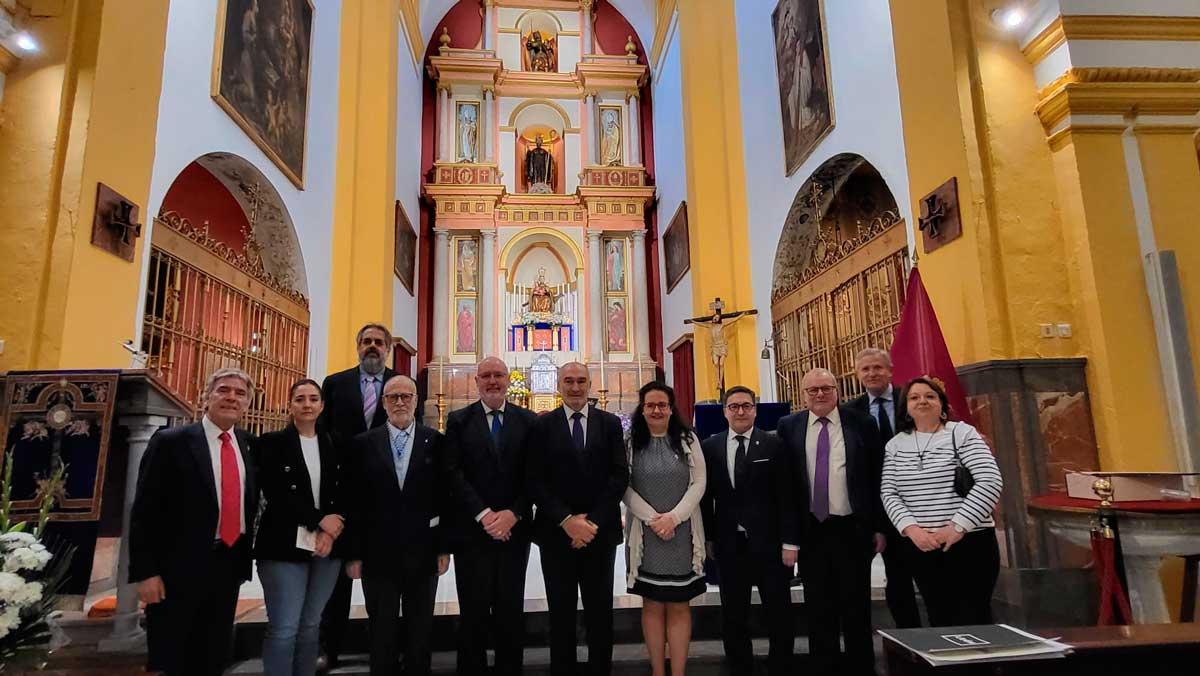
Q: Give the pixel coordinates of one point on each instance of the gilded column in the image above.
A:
(487, 301)
(595, 297)
(635, 143)
(441, 292)
(641, 298)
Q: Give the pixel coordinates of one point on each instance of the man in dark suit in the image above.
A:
(741, 522)
(393, 528)
(874, 369)
(578, 473)
(352, 406)
(191, 530)
(831, 465)
(489, 525)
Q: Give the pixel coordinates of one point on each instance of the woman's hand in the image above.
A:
(922, 538)
(663, 526)
(947, 536)
(332, 524)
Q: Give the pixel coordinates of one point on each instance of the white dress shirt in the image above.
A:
(212, 434)
(839, 495)
(888, 401)
(582, 421)
(311, 450)
(402, 463)
(731, 445)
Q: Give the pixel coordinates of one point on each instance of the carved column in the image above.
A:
(626, 156)
(487, 127)
(586, 26)
(595, 297)
(638, 264)
(444, 130)
(589, 123)
(487, 289)
(127, 634)
(635, 152)
(441, 292)
(488, 24)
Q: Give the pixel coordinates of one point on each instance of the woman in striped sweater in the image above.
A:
(950, 539)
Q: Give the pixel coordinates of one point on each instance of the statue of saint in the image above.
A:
(539, 167)
(468, 133)
(540, 53)
(610, 138)
(541, 298)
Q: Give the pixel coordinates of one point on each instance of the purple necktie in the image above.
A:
(820, 491)
(370, 400)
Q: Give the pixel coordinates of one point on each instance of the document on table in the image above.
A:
(941, 646)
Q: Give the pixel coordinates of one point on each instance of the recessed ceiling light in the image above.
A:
(26, 42)
(1009, 18)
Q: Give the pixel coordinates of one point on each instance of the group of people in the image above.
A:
(356, 487)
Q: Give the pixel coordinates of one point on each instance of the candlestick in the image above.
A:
(441, 412)
(602, 399)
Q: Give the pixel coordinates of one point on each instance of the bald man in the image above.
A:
(830, 466)
(489, 527)
(577, 475)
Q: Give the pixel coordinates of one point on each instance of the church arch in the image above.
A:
(838, 276)
(518, 118)
(558, 242)
(538, 19)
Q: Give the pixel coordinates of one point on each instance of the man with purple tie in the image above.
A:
(833, 524)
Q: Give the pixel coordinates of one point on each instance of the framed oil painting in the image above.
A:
(405, 262)
(614, 265)
(464, 326)
(677, 253)
(617, 324)
(260, 76)
(802, 62)
(466, 265)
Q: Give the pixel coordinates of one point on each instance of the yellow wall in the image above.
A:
(83, 110)
(364, 198)
(716, 186)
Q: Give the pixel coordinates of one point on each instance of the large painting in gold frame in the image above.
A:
(802, 67)
(260, 77)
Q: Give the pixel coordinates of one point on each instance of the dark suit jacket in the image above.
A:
(756, 505)
(563, 482)
(394, 531)
(342, 416)
(484, 476)
(864, 466)
(174, 520)
(286, 489)
(862, 404)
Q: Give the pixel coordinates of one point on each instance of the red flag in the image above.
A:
(920, 350)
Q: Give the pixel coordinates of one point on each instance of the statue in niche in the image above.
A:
(541, 297)
(540, 53)
(610, 137)
(468, 133)
(539, 168)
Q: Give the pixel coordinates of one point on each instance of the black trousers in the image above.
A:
(836, 566)
(190, 633)
(491, 595)
(741, 569)
(571, 574)
(336, 617)
(386, 594)
(957, 585)
(900, 595)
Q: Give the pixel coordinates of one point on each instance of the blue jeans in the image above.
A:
(295, 595)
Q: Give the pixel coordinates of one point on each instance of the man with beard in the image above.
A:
(353, 405)
(489, 521)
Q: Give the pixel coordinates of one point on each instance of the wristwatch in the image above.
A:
(959, 529)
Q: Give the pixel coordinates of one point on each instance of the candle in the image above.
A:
(441, 377)
(603, 382)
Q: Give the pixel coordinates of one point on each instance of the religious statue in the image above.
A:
(540, 52)
(468, 133)
(539, 168)
(718, 345)
(541, 297)
(610, 137)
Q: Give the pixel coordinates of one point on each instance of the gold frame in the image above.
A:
(623, 296)
(807, 153)
(236, 115)
(478, 106)
(599, 131)
(456, 296)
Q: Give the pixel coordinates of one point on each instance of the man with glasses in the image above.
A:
(741, 521)
(393, 529)
(352, 406)
(833, 520)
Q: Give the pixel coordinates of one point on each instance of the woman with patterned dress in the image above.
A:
(664, 535)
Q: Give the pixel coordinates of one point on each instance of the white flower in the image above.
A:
(18, 538)
(15, 592)
(32, 558)
(10, 618)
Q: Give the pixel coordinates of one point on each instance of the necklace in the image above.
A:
(921, 450)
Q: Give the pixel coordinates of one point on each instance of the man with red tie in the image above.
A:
(191, 529)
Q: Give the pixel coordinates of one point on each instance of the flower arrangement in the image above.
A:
(30, 577)
(518, 391)
(530, 318)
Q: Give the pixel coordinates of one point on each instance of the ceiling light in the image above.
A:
(1009, 18)
(26, 42)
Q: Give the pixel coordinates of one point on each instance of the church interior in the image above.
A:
(706, 193)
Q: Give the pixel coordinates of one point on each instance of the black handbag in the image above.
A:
(963, 481)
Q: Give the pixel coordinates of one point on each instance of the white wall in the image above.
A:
(191, 124)
(866, 102)
(408, 179)
(670, 176)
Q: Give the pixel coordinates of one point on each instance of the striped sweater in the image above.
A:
(918, 479)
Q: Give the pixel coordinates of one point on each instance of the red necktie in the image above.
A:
(231, 493)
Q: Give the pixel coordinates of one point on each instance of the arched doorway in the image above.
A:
(838, 281)
(226, 287)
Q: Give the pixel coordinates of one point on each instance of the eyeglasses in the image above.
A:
(823, 389)
(740, 408)
(656, 406)
(405, 397)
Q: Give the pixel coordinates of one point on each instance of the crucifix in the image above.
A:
(718, 345)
